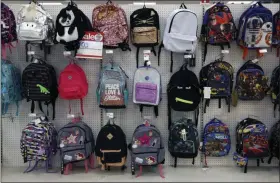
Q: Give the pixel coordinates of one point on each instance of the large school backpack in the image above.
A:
(76, 143)
(71, 24)
(276, 32)
(218, 27)
(111, 19)
(112, 87)
(251, 83)
(274, 87)
(219, 76)
(111, 147)
(183, 94)
(73, 84)
(38, 143)
(180, 34)
(11, 89)
(146, 147)
(39, 84)
(216, 139)
(183, 139)
(145, 30)
(147, 88)
(255, 29)
(274, 141)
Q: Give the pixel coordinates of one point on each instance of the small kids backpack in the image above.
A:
(11, 88)
(274, 142)
(146, 147)
(147, 88)
(216, 139)
(111, 19)
(38, 143)
(251, 83)
(180, 33)
(219, 76)
(274, 87)
(112, 87)
(276, 32)
(255, 29)
(73, 84)
(183, 139)
(145, 31)
(218, 27)
(111, 147)
(76, 143)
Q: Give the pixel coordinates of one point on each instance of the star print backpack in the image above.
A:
(75, 142)
(38, 143)
(146, 147)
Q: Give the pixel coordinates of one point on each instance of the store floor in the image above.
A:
(180, 174)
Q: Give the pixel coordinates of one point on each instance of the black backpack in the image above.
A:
(276, 32)
(145, 31)
(274, 87)
(39, 84)
(219, 76)
(274, 142)
(183, 140)
(183, 92)
(111, 146)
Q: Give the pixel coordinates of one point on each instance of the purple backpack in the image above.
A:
(8, 25)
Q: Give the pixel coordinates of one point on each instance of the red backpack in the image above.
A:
(73, 84)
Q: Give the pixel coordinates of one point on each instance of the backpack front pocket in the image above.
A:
(145, 158)
(146, 92)
(111, 156)
(145, 35)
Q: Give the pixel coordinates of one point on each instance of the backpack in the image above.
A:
(183, 139)
(11, 89)
(112, 89)
(274, 87)
(146, 147)
(71, 24)
(111, 19)
(76, 143)
(147, 88)
(276, 32)
(180, 33)
(145, 31)
(38, 143)
(255, 29)
(216, 139)
(183, 94)
(39, 84)
(73, 84)
(219, 76)
(274, 142)
(252, 139)
(111, 147)
(218, 27)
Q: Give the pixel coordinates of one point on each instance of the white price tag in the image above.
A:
(70, 116)
(31, 53)
(147, 51)
(110, 115)
(146, 58)
(109, 51)
(255, 60)
(263, 50)
(32, 114)
(147, 117)
(207, 92)
(225, 51)
(67, 53)
(187, 56)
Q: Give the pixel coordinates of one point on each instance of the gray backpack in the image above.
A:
(146, 147)
(76, 142)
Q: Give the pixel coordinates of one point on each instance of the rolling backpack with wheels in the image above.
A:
(145, 30)
(111, 147)
(180, 33)
(219, 76)
(276, 32)
(274, 142)
(274, 88)
(183, 140)
(146, 147)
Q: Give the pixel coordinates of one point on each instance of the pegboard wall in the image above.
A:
(130, 117)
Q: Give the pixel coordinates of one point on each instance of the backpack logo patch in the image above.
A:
(112, 92)
(43, 89)
(150, 160)
(110, 136)
(71, 139)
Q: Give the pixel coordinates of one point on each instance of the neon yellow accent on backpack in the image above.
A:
(184, 101)
(43, 89)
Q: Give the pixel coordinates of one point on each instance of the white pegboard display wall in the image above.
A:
(130, 117)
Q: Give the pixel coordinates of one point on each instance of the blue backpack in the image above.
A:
(10, 85)
(255, 29)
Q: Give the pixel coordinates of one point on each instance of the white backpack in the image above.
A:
(180, 32)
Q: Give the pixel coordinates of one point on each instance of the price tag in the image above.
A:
(207, 92)
(147, 51)
(32, 114)
(263, 50)
(31, 53)
(147, 117)
(255, 60)
(187, 56)
(147, 55)
(110, 115)
(70, 116)
(225, 51)
(109, 51)
(67, 53)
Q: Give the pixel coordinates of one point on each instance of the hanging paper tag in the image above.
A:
(32, 114)
(67, 53)
(147, 55)
(91, 46)
(255, 60)
(225, 51)
(110, 115)
(31, 53)
(207, 92)
(109, 51)
(70, 116)
(263, 50)
(147, 117)
(188, 56)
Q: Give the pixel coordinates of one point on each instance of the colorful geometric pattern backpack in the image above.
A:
(218, 27)
(146, 147)
(38, 143)
(255, 29)
(219, 76)
(216, 139)
(276, 32)
(274, 87)
(274, 142)
(112, 87)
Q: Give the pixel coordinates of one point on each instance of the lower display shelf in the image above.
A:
(179, 174)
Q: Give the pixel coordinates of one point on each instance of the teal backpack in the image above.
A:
(10, 85)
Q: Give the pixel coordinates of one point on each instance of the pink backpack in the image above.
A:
(111, 20)
(73, 84)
